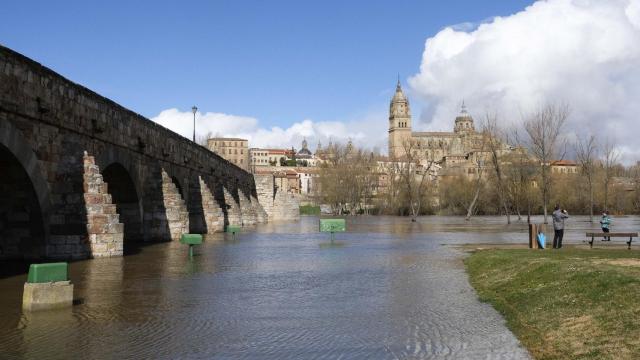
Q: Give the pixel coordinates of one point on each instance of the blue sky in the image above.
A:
(277, 61)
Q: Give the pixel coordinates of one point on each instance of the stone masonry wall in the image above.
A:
(105, 232)
(175, 208)
(233, 209)
(261, 215)
(279, 205)
(248, 212)
(213, 215)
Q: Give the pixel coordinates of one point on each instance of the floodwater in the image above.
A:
(388, 290)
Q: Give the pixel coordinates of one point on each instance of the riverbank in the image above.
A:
(570, 304)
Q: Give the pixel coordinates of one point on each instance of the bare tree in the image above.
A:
(610, 157)
(586, 152)
(477, 186)
(521, 172)
(544, 128)
(204, 139)
(494, 145)
(415, 175)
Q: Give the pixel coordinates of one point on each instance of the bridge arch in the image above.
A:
(25, 204)
(128, 202)
(115, 155)
(178, 185)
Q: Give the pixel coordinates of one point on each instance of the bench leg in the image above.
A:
(629, 243)
(591, 243)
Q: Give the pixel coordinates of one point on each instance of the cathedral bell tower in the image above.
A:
(399, 122)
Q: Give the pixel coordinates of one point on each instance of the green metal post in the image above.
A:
(332, 237)
(190, 251)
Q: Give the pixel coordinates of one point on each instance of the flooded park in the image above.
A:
(388, 288)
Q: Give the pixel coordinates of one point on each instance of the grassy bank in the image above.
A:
(309, 210)
(567, 304)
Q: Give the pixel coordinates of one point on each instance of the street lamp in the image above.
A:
(194, 109)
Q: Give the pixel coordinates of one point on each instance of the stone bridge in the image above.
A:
(81, 176)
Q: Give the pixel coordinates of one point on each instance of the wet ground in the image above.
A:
(390, 290)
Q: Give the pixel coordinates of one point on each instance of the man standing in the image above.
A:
(558, 226)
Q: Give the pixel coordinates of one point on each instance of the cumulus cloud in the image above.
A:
(585, 53)
(367, 131)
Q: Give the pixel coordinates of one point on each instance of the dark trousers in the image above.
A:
(606, 238)
(557, 239)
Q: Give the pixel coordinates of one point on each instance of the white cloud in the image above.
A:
(368, 131)
(582, 52)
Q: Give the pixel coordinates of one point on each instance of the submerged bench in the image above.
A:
(594, 235)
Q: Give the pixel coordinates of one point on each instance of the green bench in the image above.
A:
(47, 287)
(233, 230)
(191, 240)
(49, 272)
(333, 226)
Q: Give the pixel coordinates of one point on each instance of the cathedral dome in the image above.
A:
(464, 121)
(304, 152)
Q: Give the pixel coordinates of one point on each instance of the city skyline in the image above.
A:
(497, 57)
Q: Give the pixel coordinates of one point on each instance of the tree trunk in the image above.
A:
(506, 210)
(590, 201)
(606, 195)
(473, 203)
(545, 193)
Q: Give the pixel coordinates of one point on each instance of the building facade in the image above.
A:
(266, 158)
(459, 152)
(232, 149)
(564, 167)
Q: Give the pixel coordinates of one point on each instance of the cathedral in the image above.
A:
(459, 151)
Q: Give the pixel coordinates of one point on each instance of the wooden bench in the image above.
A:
(611, 235)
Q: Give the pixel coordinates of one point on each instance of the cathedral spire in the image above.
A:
(463, 109)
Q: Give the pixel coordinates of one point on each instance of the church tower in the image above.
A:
(464, 122)
(399, 122)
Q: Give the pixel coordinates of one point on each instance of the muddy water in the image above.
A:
(390, 290)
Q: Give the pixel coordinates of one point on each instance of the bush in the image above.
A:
(309, 210)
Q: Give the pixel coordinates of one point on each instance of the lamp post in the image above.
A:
(194, 109)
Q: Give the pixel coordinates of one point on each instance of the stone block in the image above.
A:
(43, 296)
(114, 228)
(58, 239)
(98, 248)
(91, 199)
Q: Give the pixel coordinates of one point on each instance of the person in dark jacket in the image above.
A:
(558, 226)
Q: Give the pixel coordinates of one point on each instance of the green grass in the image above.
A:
(567, 304)
(309, 210)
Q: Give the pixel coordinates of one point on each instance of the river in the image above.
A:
(389, 289)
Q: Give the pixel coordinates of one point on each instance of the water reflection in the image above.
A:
(392, 291)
